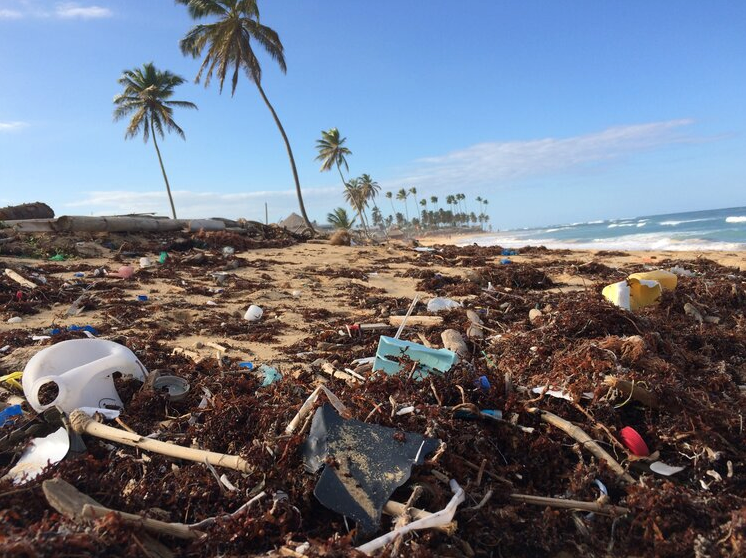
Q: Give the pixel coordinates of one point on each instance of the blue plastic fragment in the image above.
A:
(7, 414)
(483, 382)
(509, 252)
(271, 375)
(493, 414)
(505, 261)
(87, 328)
(248, 365)
(55, 331)
(430, 360)
(79, 274)
(142, 298)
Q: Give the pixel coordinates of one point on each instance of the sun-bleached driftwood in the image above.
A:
(20, 279)
(596, 507)
(633, 391)
(133, 224)
(585, 441)
(84, 424)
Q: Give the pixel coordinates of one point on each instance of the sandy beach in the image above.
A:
(186, 317)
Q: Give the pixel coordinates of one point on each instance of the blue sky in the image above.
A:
(554, 111)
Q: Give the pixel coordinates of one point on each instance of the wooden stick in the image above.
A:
(20, 280)
(630, 389)
(82, 423)
(416, 320)
(570, 504)
(585, 440)
(178, 530)
(406, 316)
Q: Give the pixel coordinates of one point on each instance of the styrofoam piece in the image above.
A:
(82, 370)
(40, 453)
(429, 360)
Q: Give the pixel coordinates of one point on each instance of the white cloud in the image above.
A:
(19, 9)
(12, 126)
(71, 10)
(190, 204)
(499, 163)
(10, 14)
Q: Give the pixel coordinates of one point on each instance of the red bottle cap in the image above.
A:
(634, 441)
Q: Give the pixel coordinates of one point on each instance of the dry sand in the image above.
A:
(293, 280)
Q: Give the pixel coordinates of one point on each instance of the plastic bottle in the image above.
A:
(82, 370)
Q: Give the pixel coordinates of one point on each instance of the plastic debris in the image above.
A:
(442, 517)
(9, 414)
(39, 455)
(254, 313)
(142, 298)
(370, 462)
(440, 304)
(125, 272)
(505, 261)
(428, 360)
(634, 441)
(632, 294)
(682, 272)
(15, 320)
(81, 370)
(661, 468)
(640, 289)
(667, 279)
(270, 375)
(178, 388)
(483, 382)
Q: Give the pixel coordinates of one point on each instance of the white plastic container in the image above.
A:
(254, 313)
(82, 370)
(145, 262)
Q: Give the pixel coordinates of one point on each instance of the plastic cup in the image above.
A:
(254, 313)
(145, 262)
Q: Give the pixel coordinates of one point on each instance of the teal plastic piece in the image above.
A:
(430, 360)
(271, 375)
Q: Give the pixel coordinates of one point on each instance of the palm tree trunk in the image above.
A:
(290, 156)
(163, 170)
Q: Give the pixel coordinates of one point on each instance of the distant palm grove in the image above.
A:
(226, 45)
(362, 192)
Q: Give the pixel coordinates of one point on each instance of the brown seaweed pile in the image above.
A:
(686, 400)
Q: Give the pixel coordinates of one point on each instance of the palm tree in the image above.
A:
(228, 42)
(355, 196)
(401, 195)
(332, 151)
(339, 219)
(146, 96)
(413, 191)
(434, 201)
(479, 201)
(450, 200)
(370, 187)
(390, 197)
(376, 217)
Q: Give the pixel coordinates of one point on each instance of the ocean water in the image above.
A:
(716, 229)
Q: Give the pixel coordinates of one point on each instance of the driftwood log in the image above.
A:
(36, 210)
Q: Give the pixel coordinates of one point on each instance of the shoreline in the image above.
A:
(734, 258)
